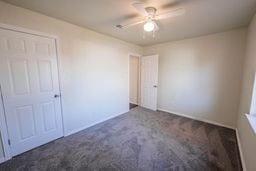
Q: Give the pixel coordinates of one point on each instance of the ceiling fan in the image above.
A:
(151, 17)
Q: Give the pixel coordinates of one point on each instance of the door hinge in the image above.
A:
(9, 141)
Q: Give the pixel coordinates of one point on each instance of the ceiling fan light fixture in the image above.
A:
(149, 26)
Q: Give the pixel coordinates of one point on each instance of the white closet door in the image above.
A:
(30, 89)
(149, 81)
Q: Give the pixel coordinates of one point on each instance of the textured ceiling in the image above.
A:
(202, 16)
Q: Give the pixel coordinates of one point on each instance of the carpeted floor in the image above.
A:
(131, 105)
(138, 140)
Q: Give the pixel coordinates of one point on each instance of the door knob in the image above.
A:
(56, 96)
(155, 86)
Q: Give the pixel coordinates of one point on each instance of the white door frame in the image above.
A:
(3, 124)
(139, 57)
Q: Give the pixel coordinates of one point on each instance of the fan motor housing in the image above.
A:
(151, 11)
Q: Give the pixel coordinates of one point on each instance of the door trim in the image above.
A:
(139, 57)
(3, 124)
(4, 132)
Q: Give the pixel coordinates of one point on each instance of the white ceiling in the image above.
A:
(202, 16)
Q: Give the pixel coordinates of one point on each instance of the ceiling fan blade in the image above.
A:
(130, 25)
(174, 13)
(179, 3)
(139, 6)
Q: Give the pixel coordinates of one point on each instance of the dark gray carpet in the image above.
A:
(138, 140)
(132, 105)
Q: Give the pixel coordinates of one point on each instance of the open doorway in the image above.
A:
(134, 72)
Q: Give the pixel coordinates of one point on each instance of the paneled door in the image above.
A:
(149, 81)
(30, 90)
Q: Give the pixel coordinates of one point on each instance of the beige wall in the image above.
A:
(94, 67)
(247, 136)
(134, 79)
(201, 77)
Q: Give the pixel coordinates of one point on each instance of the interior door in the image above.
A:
(149, 81)
(30, 89)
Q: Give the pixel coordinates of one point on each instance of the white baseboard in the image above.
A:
(196, 118)
(95, 123)
(240, 150)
